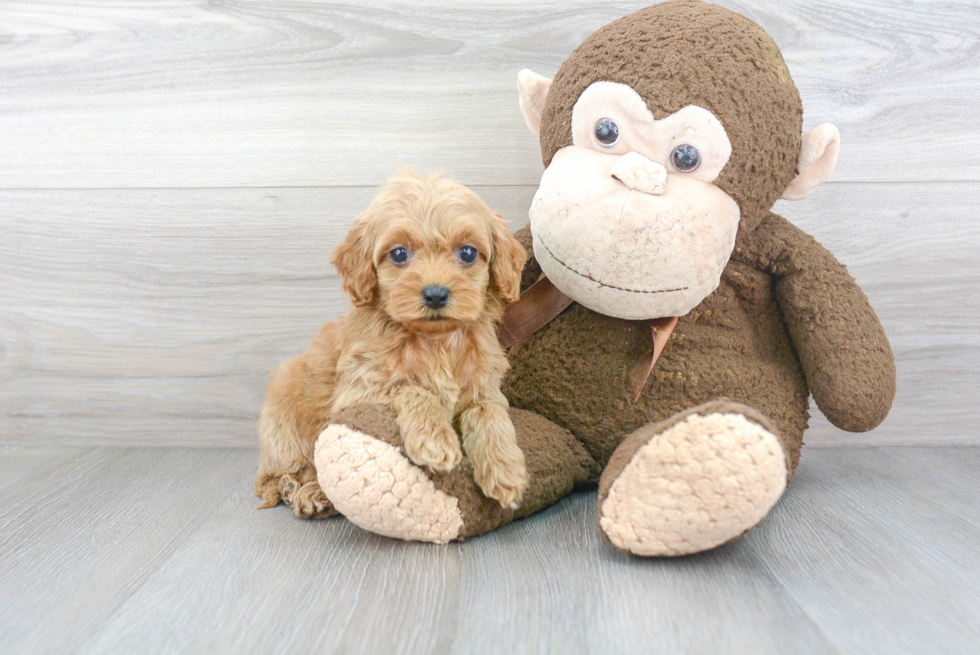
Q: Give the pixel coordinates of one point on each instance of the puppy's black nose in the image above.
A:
(435, 297)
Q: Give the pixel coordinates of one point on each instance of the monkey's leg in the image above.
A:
(364, 471)
(695, 481)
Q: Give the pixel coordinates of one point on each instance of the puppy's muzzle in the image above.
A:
(435, 297)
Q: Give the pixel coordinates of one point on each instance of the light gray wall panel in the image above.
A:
(247, 93)
(132, 316)
(176, 174)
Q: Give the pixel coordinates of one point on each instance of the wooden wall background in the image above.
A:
(173, 175)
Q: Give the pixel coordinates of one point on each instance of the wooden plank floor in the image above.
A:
(160, 550)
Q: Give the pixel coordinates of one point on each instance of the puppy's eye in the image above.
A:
(399, 256)
(467, 254)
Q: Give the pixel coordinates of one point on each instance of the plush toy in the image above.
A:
(671, 327)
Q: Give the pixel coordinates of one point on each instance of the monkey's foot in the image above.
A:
(376, 486)
(693, 482)
(364, 470)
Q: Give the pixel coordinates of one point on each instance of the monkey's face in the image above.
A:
(626, 220)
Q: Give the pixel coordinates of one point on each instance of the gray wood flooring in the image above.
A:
(160, 550)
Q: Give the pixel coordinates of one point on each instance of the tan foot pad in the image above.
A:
(377, 488)
(702, 482)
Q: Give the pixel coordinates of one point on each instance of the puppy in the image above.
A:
(429, 268)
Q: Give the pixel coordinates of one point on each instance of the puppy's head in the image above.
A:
(431, 255)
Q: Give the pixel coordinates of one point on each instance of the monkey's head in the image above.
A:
(664, 135)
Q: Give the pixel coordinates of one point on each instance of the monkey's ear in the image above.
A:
(818, 156)
(507, 263)
(353, 260)
(533, 91)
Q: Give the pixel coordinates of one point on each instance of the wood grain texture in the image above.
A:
(266, 582)
(155, 315)
(566, 590)
(253, 93)
(78, 539)
(130, 317)
(138, 315)
(872, 550)
(19, 466)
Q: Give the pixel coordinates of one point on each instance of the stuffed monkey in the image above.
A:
(671, 327)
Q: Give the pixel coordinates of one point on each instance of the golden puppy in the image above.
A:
(429, 268)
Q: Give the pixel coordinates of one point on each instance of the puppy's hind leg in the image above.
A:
(295, 411)
(286, 471)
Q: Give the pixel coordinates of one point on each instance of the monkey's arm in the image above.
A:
(531, 269)
(841, 344)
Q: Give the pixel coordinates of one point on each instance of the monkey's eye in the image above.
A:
(467, 254)
(399, 255)
(607, 132)
(685, 158)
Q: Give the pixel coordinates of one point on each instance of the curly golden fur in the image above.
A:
(436, 367)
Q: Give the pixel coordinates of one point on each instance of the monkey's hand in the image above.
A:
(842, 346)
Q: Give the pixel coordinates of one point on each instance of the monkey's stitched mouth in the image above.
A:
(603, 284)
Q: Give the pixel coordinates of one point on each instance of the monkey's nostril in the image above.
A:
(435, 297)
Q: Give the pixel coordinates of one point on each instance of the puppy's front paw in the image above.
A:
(503, 477)
(440, 451)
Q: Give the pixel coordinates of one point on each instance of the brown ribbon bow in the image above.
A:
(542, 302)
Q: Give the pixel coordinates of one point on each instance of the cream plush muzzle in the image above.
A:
(623, 252)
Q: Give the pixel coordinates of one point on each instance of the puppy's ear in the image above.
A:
(508, 260)
(354, 262)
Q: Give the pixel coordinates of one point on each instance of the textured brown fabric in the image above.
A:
(375, 420)
(846, 357)
(535, 309)
(737, 343)
(556, 463)
(575, 371)
(785, 313)
(687, 52)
